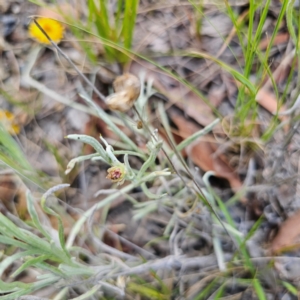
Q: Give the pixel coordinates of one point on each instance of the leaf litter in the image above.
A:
(276, 170)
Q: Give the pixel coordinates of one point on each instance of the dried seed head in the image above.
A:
(139, 124)
(127, 89)
(116, 174)
(127, 81)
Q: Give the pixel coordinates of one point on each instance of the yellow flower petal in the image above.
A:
(15, 129)
(7, 120)
(53, 28)
(8, 115)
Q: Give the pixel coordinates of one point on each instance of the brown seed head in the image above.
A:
(127, 90)
(139, 124)
(116, 174)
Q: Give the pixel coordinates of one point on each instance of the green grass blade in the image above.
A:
(104, 18)
(292, 289)
(237, 75)
(233, 16)
(13, 242)
(12, 157)
(207, 290)
(34, 215)
(30, 288)
(289, 19)
(10, 151)
(259, 290)
(277, 26)
(89, 293)
(7, 287)
(118, 13)
(143, 290)
(11, 259)
(30, 262)
(101, 20)
(50, 269)
(30, 240)
(220, 292)
(9, 229)
(131, 7)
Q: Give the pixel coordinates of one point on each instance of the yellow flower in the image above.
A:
(53, 28)
(7, 120)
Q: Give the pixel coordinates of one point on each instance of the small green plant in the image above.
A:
(44, 253)
(117, 27)
(58, 262)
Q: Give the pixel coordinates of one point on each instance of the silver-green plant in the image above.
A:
(56, 261)
(44, 252)
(118, 171)
(147, 173)
(41, 249)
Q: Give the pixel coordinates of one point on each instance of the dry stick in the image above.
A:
(102, 97)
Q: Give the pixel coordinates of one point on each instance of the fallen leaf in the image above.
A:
(203, 151)
(265, 97)
(288, 236)
(268, 101)
(280, 38)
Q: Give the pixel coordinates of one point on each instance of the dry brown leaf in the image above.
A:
(203, 155)
(267, 100)
(265, 97)
(288, 236)
(282, 70)
(280, 38)
(202, 152)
